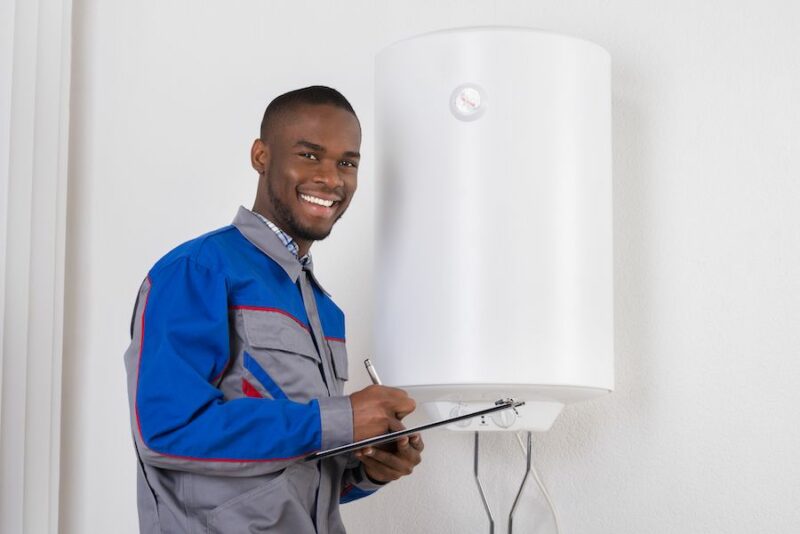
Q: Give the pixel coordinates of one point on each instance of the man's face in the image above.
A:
(310, 159)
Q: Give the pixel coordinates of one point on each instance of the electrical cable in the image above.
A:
(540, 484)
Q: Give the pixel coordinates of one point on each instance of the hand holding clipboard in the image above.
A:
(393, 436)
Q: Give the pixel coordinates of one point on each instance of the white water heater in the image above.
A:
(494, 266)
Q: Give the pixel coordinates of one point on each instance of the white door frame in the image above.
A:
(35, 62)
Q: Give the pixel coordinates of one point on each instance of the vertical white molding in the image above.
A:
(33, 185)
(6, 62)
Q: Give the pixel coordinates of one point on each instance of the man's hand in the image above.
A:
(378, 410)
(395, 460)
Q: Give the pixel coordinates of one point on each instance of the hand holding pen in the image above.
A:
(379, 409)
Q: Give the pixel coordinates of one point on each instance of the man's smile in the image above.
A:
(319, 201)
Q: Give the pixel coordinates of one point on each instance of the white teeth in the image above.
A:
(318, 201)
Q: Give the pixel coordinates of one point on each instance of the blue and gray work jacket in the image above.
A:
(236, 371)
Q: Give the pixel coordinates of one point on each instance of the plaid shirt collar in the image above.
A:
(253, 229)
(285, 239)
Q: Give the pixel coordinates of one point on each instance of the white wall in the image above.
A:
(700, 436)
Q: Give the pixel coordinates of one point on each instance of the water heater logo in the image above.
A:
(468, 102)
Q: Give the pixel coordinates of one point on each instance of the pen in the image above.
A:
(372, 374)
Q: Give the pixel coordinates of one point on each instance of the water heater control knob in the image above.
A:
(460, 409)
(505, 418)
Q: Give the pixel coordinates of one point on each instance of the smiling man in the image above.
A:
(314, 151)
(237, 362)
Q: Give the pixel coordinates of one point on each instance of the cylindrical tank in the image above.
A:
(494, 267)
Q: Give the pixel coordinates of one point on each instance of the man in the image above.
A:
(237, 362)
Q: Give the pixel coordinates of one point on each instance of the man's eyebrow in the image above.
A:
(320, 148)
(309, 144)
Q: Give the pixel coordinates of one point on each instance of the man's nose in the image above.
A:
(328, 174)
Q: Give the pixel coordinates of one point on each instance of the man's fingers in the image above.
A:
(403, 460)
(380, 472)
(405, 407)
(389, 465)
(385, 465)
(395, 425)
(375, 406)
(414, 440)
(403, 404)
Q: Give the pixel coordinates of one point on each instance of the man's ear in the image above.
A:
(259, 156)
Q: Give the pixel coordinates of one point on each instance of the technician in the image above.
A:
(237, 363)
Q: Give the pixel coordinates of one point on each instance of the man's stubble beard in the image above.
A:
(293, 227)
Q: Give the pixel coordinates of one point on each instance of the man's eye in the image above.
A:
(309, 155)
(346, 163)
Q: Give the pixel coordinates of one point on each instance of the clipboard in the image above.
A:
(393, 436)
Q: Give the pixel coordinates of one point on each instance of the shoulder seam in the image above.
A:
(190, 259)
(191, 256)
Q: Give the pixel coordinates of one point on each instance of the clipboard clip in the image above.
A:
(510, 401)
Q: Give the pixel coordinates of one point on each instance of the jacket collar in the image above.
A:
(264, 239)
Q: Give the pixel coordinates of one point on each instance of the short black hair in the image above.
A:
(314, 94)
